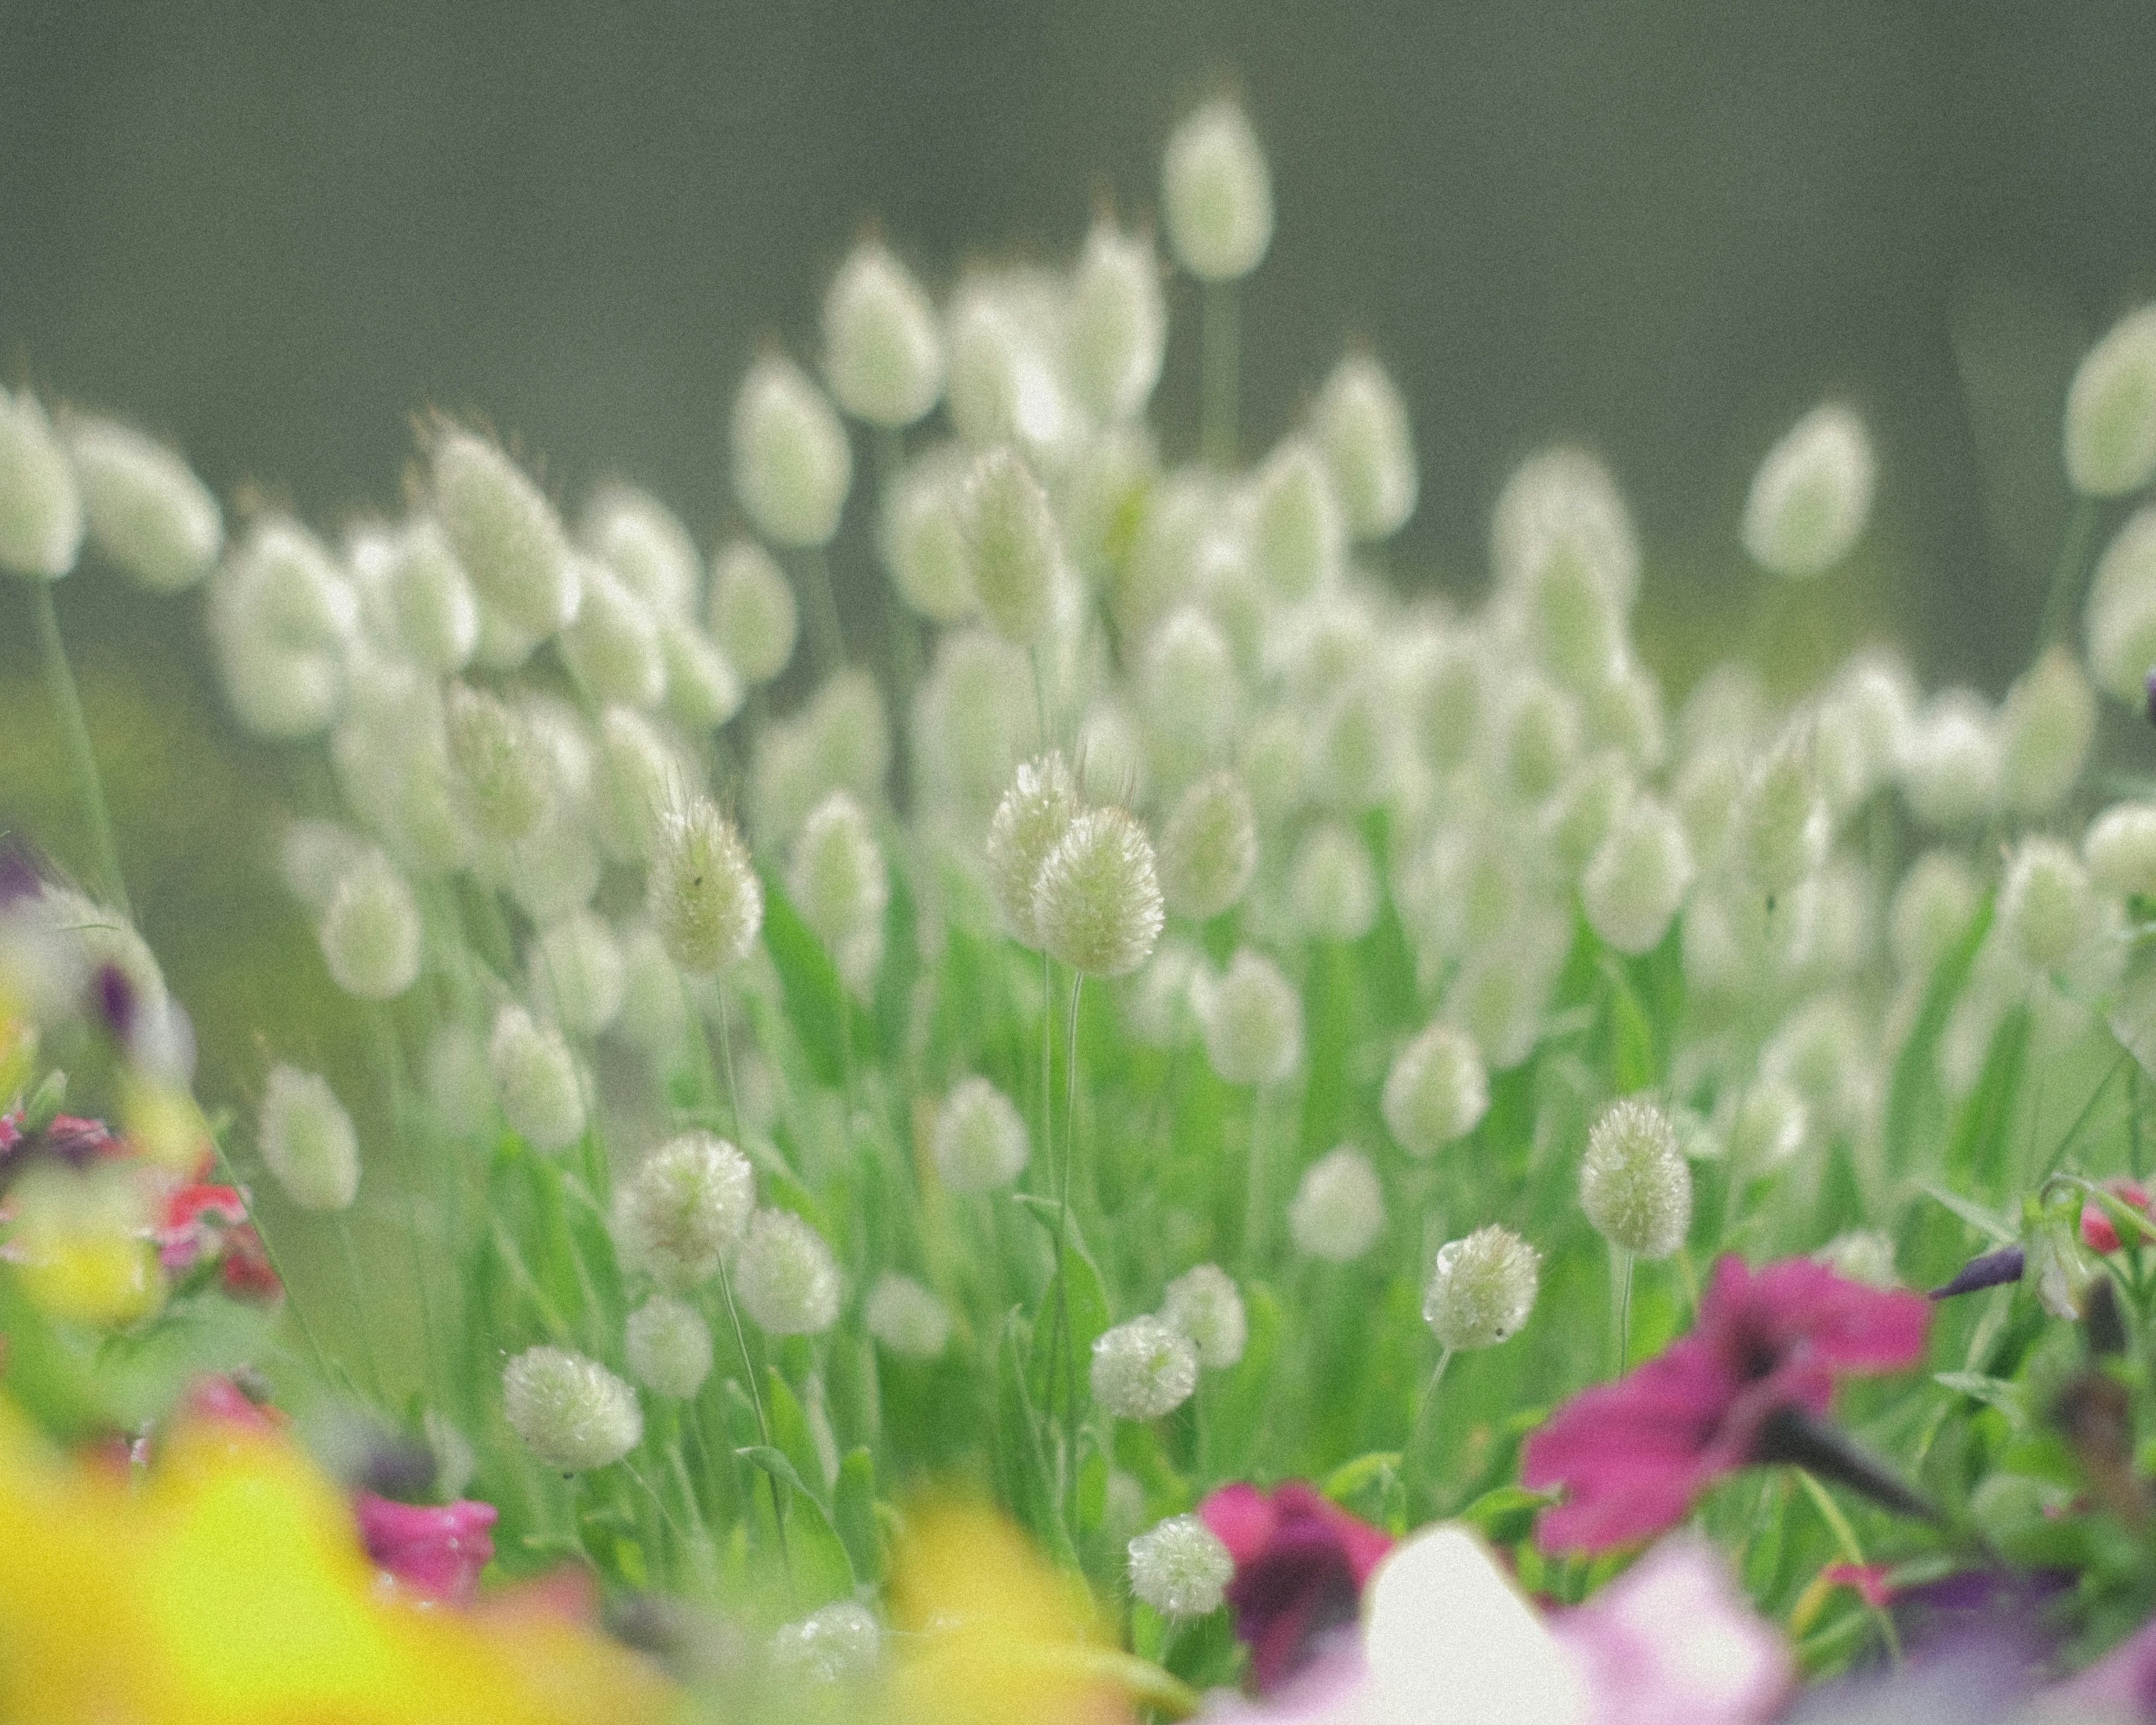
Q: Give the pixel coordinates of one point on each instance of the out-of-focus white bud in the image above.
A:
(686, 1204)
(429, 599)
(572, 1413)
(1157, 1005)
(1118, 323)
(838, 1644)
(1436, 1090)
(882, 350)
(669, 1347)
(1638, 877)
(788, 1280)
(1449, 699)
(370, 930)
(1766, 1127)
(1362, 425)
(500, 764)
(922, 539)
(1004, 336)
(1204, 1304)
(702, 892)
(1339, 1208)
(2046, 910)
(2046, 727)
(1950, 762)
(1209, 849)
(281, 615)
(703, 691)
(535, 1075)
(612, 647)
(792, 465)
(1251, 1019)
(1332, 886)
(1111, 757)
(1626, 713)
(502, 645)
(1180, 1567)
(460, 1086)
(639, 776)
(1480, 1289)
(907, 1318)
(1633, 1184)
(753, 617)
(313, 856)
(644, 544)
(1535, 740)
(974, 719)
(2120, 616)
(1568, 612)
(1030, 821)
(1563, 500)
(1779, 828)
(1812, 495)
(2120, 850)
(838, 881)
(980, 1140)
(1298, 530)
(40, 503)
(148, 514)
(1705, 794)
(1143, 1369)
(1932, 910)
(1188, 694)
(2111, 410)
(1217, 193)
(307, 1140)
(1352, 761)
(1014, 547)
(1583, 810)
(576, 973)
(1096, 903)
(505, 533)
(1500, 992)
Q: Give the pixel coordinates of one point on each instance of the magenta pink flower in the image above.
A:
(1764, 1353)
(435, 1549)
(1300, 1565)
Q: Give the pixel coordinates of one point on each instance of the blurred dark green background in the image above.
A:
(1664, 226)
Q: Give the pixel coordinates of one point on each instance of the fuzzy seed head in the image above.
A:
(753, 617)
(1252, 1020)
(148, 514)
(1204, 1304)
(500, 768)
(703, 893)
(788, 1280)
(536, 1077)
(1209, 849)
(2111, 411)
(703, 691)
(883, 352)
(1097, 904)
(1811, 496)
(1634, 1183)
(1638, 877)
(1032, 820)
(1298, 530)
(1537, 739)
(792, 465)
(1584, 807)
(1563, 502)
(1933, 906)
(572, 1413)
(2119, 618)
(2120, 850)
(669, 1347)
(1180, 1567)
(685, 1205)
(1217, 193)
(980, 1138)
(1362, 425)
(1015, 547)
(1767, 1127)
(40, 503)
(370, 931)
(838, 881)
(1480, 1289)
(1188, 690)
(1779, 826)
(923, 540)
(1436, 1091)
(505, 533)
(2047, 909)
(1006, 383)
(1332, 886)
(1571, 619)
(577, 974)
(1950, 763)
(612, 647)
(1117, 328)
(2045, 730)
(432, 611)
(1339, 1208)
(644, 544)
(307, 1140)
(1143, 1369)
(1448, 700)
(907, 1318)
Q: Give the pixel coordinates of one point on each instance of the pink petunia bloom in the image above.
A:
(1300, 1565)
(434, 1549)
(1633, 1455)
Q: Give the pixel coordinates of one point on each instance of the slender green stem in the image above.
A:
(726, 1059)
(1626, 1262)
(826, 638)
(1219, 338)
(291, 1300)
(762, 1420)
(82, 761)
(392, 1075)
(1426, 1405)
(2064, 591)
(1253, 1192)
(342, 1228)
(1039, 695)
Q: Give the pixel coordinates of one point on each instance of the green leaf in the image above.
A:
(1240, 1398)
(1976, 1214)
(774, 1462)
(1350, 1477)
(1059, 1360)
(832, 1028)
(854, 1513)
(1021, 1463)
(789, 1429)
